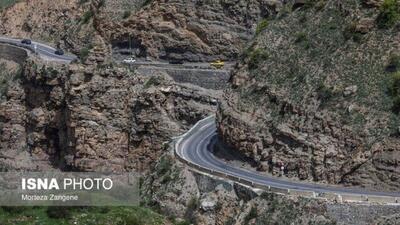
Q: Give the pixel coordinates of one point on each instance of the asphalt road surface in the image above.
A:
(198, 148)
(44, 51)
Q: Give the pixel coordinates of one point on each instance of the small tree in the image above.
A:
(389, 14)
(394, 91)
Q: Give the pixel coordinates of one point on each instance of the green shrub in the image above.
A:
(14, 209)
(58, 212)
(183, 223)
(6, 77)
(325, 94)
(146, 2)
(164, 165)
(302, 40)
(394, 63)
(261, 26)
(152, 81)
(87, 16)
(7, 3)
(394, 91)
(300, 37)
(193, 203)
(84, 53)
(127, 14)
(256, 58)
(101, 3)
(131, 220)
(251, 215)
(389, 14)
(81, 2)
(192, 206)
(350, 33)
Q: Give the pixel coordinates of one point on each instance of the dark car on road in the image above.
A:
(59, 52)
(176, 61)
(26, 41)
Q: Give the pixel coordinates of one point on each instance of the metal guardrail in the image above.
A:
(337, 197)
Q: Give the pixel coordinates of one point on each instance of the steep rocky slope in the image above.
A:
(41, 20)
(93, 118)
(190, 30)
(316, 93)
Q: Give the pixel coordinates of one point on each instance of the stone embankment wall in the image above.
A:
(206, 78)
(13, 53)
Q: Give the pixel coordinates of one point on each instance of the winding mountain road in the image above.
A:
(197, 147)
(44, 51)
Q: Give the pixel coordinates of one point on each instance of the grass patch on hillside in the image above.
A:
(315, 55)
(190, 213)
(251, 215)
(7, 3)
(261, 26)
(256, 57)
(87, 16)
(84, 52)
(350, 33)
(79, 215)
(394, 91)
(394, 63)
(127, 14)
(6, 77)
(389, 14)
(152, 81)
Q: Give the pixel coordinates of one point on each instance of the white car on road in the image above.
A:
(129, 60)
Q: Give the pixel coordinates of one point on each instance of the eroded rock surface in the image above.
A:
(190, 30)
(303, 98)
(94, 118)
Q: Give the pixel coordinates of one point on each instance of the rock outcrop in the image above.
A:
(190, 30)
(311, 95)
(94, 118)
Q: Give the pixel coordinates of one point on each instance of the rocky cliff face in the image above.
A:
(93, 118)
(190, 30)
(41, 20)
(311, 94)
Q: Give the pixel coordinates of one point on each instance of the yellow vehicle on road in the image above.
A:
(218, 64)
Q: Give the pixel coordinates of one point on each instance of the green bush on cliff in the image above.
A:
(350, 33)
(389, 14)
(164, 165)
(261, 26)
(394, 63)
(394, 91)
(7, 3)
(84, 52)
(6, 77)
(251, 215)
(79, 215)
(256, 57)
(127, 14)
(191, 209)
(87, 16)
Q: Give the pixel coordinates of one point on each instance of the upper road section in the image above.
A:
(43, 51)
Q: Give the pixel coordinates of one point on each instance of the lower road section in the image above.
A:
(197, 149)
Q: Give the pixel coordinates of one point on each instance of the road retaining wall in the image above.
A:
(13, 53)
(206, 78)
